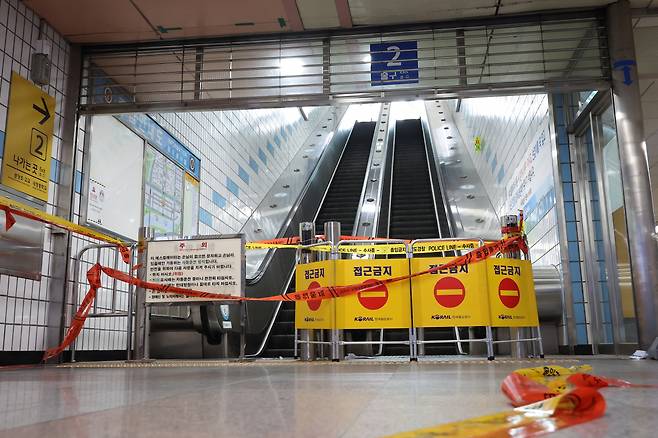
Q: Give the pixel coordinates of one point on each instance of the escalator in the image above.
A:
(340, 203)
(416, 211)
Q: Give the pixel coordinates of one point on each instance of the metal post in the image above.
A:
(634, 170)
(129, 311)
(332, 234)
(306, 237)
(141, 310)
(517, 349)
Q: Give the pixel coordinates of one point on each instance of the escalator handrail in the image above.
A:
(292, 273)
(286, 223)
(430, 176)
(390, 182)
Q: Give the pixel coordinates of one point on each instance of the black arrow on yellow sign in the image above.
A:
(43, 111)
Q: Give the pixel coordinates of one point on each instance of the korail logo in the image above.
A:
(364, 318)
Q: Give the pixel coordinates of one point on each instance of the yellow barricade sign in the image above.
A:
(386, 306)
(445, 245)
(511, 293)
(454, 297)
(314, 314)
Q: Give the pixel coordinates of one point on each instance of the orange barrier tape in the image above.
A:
(578, 406)
(523, 389)
(11, 208)
(322, 293)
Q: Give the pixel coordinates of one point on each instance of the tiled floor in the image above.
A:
(284, 399)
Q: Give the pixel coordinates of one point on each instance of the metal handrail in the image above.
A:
(113, 312)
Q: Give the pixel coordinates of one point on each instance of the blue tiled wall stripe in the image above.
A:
(2, 143)
(262, 156)
(205, 217)
(218, 200)
(232, 186)
(78, 181)
(253, 165)
(277, 140)
(54, 170)
(270, 147)
(244, 176)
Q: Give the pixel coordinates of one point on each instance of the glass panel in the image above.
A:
(614, 202)
(596, 257)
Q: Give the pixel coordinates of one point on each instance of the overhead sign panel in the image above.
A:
(394, 63)
(29, 138)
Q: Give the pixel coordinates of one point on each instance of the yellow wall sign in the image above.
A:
(29, 138)
(314, 314)
(477, 142)
(511, 293)
(454, 297)
(387, 306)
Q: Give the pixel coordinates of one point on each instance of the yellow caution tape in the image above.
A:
(381, 248)
(392, 248)
(577, 406)
(445, 245)
(540, 373)
(21, 209)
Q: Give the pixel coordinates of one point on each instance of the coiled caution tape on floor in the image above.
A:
(321, 293)
(575, 407)
(11, 208)
(548, 398)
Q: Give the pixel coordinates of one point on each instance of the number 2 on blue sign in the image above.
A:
(394, 63)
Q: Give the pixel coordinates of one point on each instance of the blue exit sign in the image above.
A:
(394, 63)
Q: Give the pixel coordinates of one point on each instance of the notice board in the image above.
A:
(208, 264)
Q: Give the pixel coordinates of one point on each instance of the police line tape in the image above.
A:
(11, 208)
(376, 248)
(546, 399)
(321, 293)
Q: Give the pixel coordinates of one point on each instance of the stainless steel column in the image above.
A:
(306, 237)
(141, 311)
(332, 234)
(634, 170)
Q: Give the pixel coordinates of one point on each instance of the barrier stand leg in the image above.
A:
(413, 353)
(307, 349)
(540, 343)
(294, 351)
(420, 337)
(243, 329)
(490, 347)
(459, 344)
(335, 343)
(147, 332)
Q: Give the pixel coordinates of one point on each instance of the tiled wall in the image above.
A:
(24, 303)
(513, 130)
(242, 155)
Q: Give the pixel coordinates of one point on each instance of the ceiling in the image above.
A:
(111, 21)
